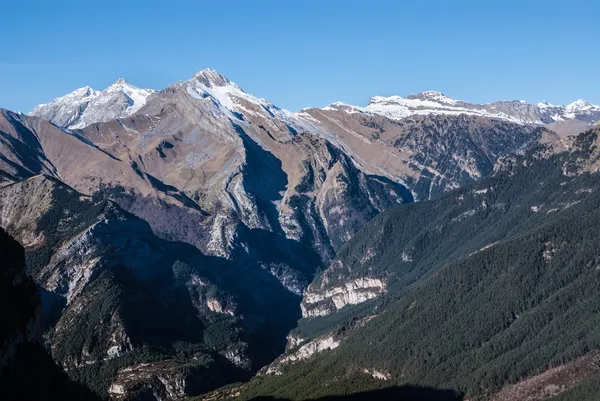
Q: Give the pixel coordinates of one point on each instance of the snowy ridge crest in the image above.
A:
(433, 102)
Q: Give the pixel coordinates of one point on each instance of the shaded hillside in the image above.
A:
(27, 372)
(116, 296)
(404, 393)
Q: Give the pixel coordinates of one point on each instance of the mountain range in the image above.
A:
(188, 238)
(67, 111)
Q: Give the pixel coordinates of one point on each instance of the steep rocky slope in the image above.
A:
(430, 154)
(402, 245)
(200, 154)
(239, 158)
(26, 371)
(507, 292)
(116, 296)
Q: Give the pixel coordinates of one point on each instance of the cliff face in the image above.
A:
(322, 300)
(19, 302)
(26, 370)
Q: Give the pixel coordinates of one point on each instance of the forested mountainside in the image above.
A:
(26, 369)
(485, 287)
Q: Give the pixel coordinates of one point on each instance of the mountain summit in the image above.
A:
(85, 106)
(210, 78)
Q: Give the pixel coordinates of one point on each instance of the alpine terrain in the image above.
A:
(199, 241)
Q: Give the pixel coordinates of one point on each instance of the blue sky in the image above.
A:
(306, 53)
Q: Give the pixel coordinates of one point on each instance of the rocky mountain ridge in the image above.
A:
(61, 111)
(517, 111)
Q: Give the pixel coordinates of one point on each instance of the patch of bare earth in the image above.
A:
(551, 382)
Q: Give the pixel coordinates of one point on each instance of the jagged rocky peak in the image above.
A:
(211, 78)
(119, 83)
(428, 95)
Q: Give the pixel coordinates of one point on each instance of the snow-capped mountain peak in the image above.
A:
(85, 106)
(122, 85)
(137, 95)
(429, 95)
(433, 96)
(544, 104)
(85, 91)
(239, 105)
(209, 83)
(397, 107)
(580, 105)
(211, 78)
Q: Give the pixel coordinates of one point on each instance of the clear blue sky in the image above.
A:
(306, 53)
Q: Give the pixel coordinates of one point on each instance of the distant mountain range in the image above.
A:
(518, 111)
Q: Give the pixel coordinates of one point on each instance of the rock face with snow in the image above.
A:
(517, 111)
(432, 143)
(226, 163)
(85, 105)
